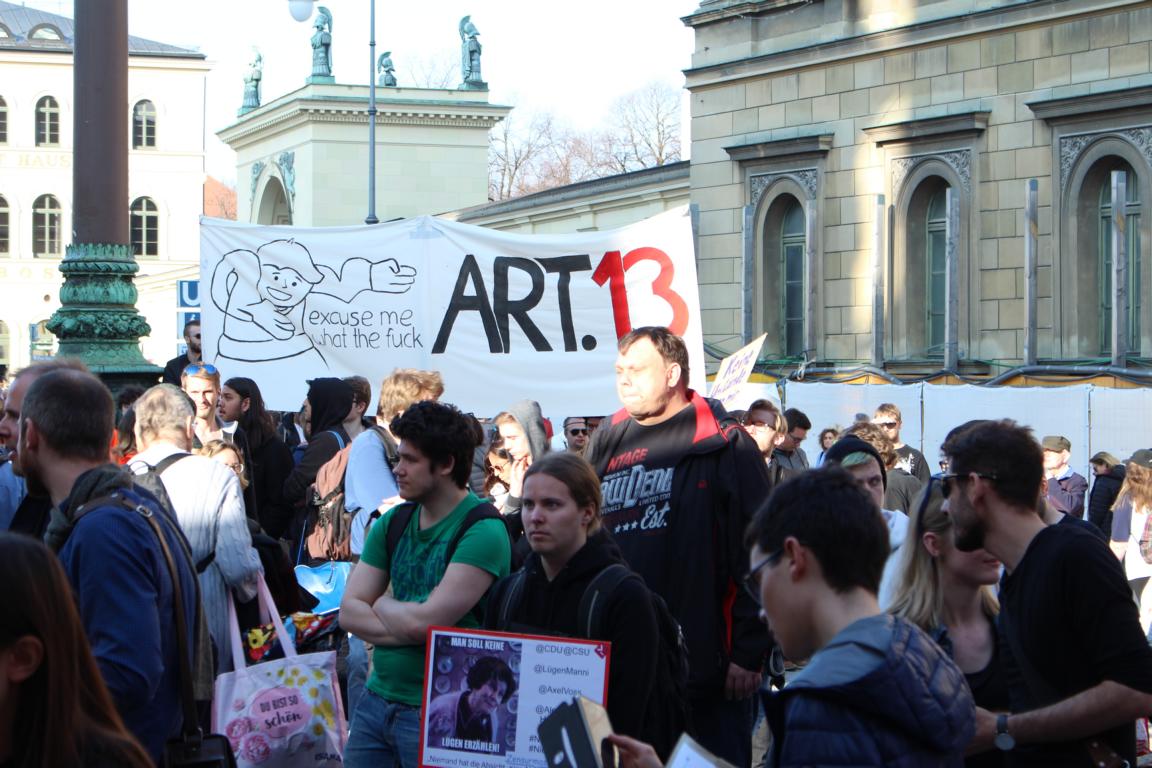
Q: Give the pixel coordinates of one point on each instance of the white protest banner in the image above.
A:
(734, 372)
(486, 693)
(502, 316)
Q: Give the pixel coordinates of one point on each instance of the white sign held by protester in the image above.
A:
(545, 672)
(502, 316)
(734, 372)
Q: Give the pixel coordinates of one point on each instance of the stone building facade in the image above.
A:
(165, 177)
(861, 165)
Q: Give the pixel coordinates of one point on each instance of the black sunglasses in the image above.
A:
(947, 478)
(577, 431)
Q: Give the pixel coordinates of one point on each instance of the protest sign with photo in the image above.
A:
(501, 316)
(485, 694)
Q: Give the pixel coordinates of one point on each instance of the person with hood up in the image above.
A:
(525, 437)
(330, 401)
(569, 550)
(863, 462)
(877, 690)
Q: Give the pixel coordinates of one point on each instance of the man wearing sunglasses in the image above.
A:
(1078, 665)
(576, 434)
(909, 459)
(175, 367)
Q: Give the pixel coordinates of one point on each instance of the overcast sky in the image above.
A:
(574, 64)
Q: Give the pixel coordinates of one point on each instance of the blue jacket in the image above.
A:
(124, 594)
(880, 694)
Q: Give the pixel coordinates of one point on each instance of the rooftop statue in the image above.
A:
(386, 70)
(322, 43)
(252, 84)
(470, 56)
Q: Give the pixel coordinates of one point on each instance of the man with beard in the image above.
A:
(31, 516)
(1079, 668)
(102, 528)
(175, 367)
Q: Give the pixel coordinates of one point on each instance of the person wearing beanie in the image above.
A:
(863, 462)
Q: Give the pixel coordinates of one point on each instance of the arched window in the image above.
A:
(1132, 231)
(144, 223)
(46, 32)
(916, 290)
(3, 121)
(935, 269)
(47, 122)
(46, 226)
(4, 230)
(792, 245)
(144, 125)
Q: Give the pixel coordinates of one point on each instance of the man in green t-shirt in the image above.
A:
(435, 458)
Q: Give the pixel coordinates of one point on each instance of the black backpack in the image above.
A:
(668, 711)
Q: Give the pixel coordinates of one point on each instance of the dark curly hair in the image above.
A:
(492, 669)
(443, 434)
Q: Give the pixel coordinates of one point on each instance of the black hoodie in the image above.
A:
(552, 607)
(331, 401)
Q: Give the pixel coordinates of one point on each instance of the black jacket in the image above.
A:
(271, 465)
(717, 486)
(1105, 488)
(552, 607)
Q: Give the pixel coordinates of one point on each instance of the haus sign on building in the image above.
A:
(502, 317)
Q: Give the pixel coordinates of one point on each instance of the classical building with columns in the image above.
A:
(861, 171)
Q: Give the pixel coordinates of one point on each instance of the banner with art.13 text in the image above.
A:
(502, 316)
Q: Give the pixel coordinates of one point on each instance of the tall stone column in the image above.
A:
(98, 321)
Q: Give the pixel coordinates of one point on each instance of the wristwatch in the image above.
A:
(1003, 741)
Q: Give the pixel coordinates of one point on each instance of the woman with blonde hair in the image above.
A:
(948, 594)
(1129, 518)
(54, 707)
(228, 455)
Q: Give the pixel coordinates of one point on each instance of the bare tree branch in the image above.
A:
(642, 132)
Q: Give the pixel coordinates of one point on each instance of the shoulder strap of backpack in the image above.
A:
(476, 514)
(590, 616)
(397, 524)
(339, 440)
(391, 453)
(167, 461)
(506, 598)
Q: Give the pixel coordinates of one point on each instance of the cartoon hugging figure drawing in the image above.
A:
(264, 295)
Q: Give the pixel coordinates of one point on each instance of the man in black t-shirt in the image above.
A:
(1078, 666)
(681, 480)
(889, 419)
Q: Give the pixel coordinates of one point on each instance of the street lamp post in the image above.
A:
(301, 10)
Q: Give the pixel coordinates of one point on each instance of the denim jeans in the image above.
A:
(357, 673)
(384, 734)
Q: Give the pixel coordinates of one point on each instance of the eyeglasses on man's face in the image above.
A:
(577, 431)
(752, 580)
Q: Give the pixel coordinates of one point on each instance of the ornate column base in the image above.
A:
(98, 322)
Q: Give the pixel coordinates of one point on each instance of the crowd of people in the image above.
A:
(870, 610)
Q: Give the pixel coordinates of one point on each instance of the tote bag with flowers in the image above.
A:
(282, 713)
